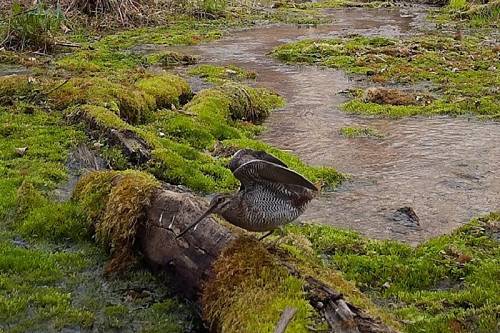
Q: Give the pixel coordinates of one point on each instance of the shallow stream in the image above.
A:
(446, 169)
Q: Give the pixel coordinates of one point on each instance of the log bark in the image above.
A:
(190, 258)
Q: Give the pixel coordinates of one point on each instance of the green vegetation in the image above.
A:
(131, 104)
(31, 29)
(476, 14)
(460, 70)
(221, 74)
(249, 278)
(448, 283)
(116, 52)
(170, 59)
(51, 274)
(360, 132)
(168, 90)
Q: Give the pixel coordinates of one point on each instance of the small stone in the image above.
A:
(320, 305)
(21, 151)
(161, 134)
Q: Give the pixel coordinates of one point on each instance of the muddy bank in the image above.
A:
(444, 168)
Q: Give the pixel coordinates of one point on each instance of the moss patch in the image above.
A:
(115, 52)
(360, 132)
(250, 290)
(170, 59)
(460, 69)
(131, 104)
(448, 282)
(167, 89)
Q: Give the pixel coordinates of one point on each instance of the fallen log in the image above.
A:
(239, 283)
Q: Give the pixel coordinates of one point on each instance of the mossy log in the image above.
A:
(239, 283)
(191, 260)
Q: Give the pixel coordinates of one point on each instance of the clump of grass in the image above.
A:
(170, 59)
(221, 74)
(167, 89)
(32, 29)
(251, 104)
(439, 285)
(206, 8)
(119, 204)
(360, 132)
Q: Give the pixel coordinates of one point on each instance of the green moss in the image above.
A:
(220, 74)
(115, 53)
(101, 116)
(449, 280)
(133, 105)
(13, 88)
(360, 132)
(42, 167)
(252, 104)
(253, 281)
(170, 59)
(461, 70)
(49, 287)
(167, 89)
(56, 221)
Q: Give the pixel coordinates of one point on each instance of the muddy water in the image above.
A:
(447, 170)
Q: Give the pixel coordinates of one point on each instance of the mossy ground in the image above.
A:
(461, 70)
(51, 275)
(447, 284)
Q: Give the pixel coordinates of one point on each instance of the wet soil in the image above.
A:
(445, 169)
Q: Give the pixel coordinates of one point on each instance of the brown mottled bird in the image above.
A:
(271, 195)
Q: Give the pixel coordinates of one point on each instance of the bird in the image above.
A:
(270, 196)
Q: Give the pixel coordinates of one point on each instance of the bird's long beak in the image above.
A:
(192, 225)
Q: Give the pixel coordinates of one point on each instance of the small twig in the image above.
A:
(66, 44)
(285, 319)
(57, 87)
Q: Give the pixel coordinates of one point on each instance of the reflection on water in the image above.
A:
(446, 169)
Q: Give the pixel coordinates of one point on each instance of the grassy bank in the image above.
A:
(459, 72)
(447, 284)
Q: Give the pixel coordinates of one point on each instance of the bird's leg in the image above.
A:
(269, 233)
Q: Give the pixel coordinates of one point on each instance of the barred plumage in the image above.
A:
(271, 195)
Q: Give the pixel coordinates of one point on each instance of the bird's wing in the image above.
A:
(243, 156)
(258, 170)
